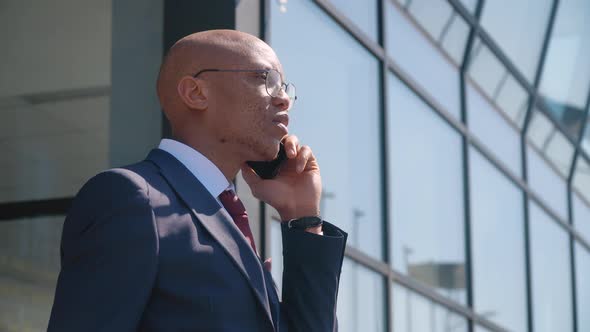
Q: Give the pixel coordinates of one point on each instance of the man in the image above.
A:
(165, 245)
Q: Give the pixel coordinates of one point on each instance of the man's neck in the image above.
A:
(217, 152)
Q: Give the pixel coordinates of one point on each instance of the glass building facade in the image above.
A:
(452, 135)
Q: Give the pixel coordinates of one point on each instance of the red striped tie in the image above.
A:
(237, 211)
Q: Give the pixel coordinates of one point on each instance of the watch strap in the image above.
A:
(305, 222)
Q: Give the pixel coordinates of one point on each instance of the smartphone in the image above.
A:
(269, 169)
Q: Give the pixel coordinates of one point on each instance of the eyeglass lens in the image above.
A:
(274, 85)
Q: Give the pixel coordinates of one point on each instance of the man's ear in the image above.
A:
(192, 93)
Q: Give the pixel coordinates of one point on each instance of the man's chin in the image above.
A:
(267, 152)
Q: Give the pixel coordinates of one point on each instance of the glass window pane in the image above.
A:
(333, 96)
(454, 39)
(581, 216)
(551, 142)
(485, 68)
(362, 13)
(581, 180)
(434, 73)
(497, 84)
(479, 328)
(432, 15)
(361, 298)
(566, 73)
(426, 193)
(582, 287)
(470, 5)
(493, 130)
(512, 99)
(54, 98)
(414, 312)
(546, 183)
(586, 137)
(443, 24)
(276, 252)
(29, 266)
(569, 117)
(550, 273)
(497, 232)
(518, 27)
(360, 293)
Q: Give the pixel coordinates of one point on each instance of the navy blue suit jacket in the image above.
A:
(147, 248)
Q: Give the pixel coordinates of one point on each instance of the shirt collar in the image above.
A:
(202, 168)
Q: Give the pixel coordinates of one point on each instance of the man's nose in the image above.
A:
(282, 101)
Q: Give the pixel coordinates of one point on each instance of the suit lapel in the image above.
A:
(215, 220)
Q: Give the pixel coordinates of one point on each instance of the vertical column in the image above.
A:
(183, 17)
(135, 119)
(465, 152)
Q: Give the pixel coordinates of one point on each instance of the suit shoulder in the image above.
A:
(107, 193)
(110, 189)
(115, 181)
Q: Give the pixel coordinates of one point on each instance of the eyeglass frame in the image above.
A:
(283, 87)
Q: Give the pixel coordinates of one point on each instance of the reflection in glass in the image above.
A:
(362, 13)
(479, 328)
(581, 216)
(360, 299)
(546, 182)
(499, 285)
(54, 98)
(414, 313)
(29, 265)
(498, 85)
(431, 70)
(582, 287)
(485, 122)
(518, 28)
(337, 115)
(443, 24)
(586, 138)
(566, 73)
(581, 180)
(550, 273)
(426, 193)
(551, 142)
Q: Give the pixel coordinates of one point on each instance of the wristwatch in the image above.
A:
(305, 222)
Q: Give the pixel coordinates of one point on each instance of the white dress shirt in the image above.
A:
(202, 168)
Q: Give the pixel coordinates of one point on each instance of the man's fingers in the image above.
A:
(291, 144)
(249, 175)
(303, 156)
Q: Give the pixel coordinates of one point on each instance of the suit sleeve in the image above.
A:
(108, 256)
(311, 274)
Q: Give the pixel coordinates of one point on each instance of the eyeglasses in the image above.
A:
(274, 83)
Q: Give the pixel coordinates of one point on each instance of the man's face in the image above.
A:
(246, 117)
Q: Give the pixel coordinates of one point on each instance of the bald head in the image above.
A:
(202, 50)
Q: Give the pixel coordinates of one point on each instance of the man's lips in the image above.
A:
(282, 118)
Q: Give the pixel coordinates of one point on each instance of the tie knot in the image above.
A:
(232, 203)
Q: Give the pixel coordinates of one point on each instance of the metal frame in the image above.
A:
(570, 192)
(377, 48)
(466, 167)
(524, 163)
(37, 208)
(386, 226)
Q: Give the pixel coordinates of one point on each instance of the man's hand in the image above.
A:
(296, 190)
